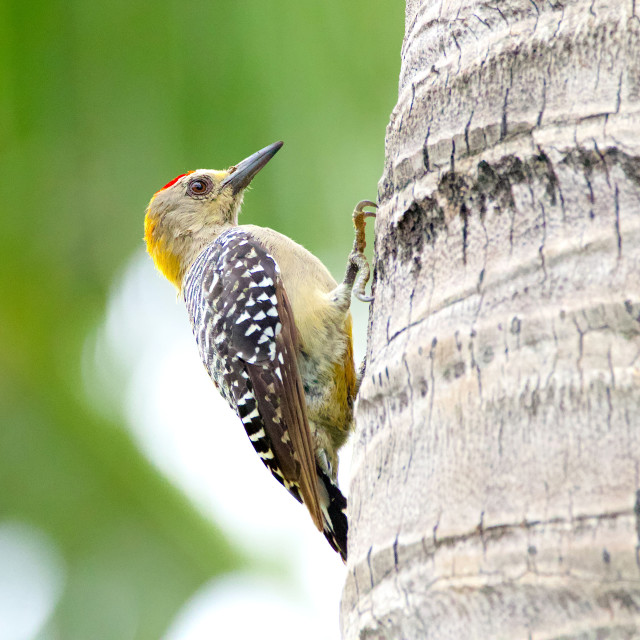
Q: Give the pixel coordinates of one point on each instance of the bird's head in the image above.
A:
(190, 212)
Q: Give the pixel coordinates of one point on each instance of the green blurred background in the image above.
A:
(100, 105)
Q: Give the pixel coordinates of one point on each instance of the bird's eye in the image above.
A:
(200, 186)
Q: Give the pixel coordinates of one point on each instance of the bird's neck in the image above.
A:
(173, 255)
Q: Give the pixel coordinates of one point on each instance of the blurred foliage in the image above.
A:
(100, 105)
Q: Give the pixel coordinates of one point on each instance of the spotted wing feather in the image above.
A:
(244, 327)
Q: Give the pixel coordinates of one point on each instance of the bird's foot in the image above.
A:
(357, 259)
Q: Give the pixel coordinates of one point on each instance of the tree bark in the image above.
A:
(496, 464)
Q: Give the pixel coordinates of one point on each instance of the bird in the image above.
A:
(273, 327)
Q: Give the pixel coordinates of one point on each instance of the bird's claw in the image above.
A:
(357, 257)
(359, 217)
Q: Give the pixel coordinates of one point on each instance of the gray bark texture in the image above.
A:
(496, 463)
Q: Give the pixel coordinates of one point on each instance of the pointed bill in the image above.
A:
(246, 170)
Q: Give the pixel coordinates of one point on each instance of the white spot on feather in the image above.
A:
(251, 329)
(249, 417)
(258, 435)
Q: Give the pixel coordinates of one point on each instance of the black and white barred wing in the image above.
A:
(244, 327)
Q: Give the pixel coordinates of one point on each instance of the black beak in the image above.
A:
(246, 170)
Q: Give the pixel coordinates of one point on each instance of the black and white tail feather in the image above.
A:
(243, 324)
(334, 513)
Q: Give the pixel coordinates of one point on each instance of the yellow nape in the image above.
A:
(166, 262)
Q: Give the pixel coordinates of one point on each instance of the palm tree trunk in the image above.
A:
(496, 465)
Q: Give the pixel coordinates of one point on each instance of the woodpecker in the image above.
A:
(272, 326)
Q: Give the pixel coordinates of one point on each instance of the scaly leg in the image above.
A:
(358, 271)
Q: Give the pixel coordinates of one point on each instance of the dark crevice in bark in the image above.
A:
(617, 222)
(492, 185)
(468, 195)
(425, 151)
(544, 102)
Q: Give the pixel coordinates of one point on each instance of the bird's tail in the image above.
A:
(334, 512)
